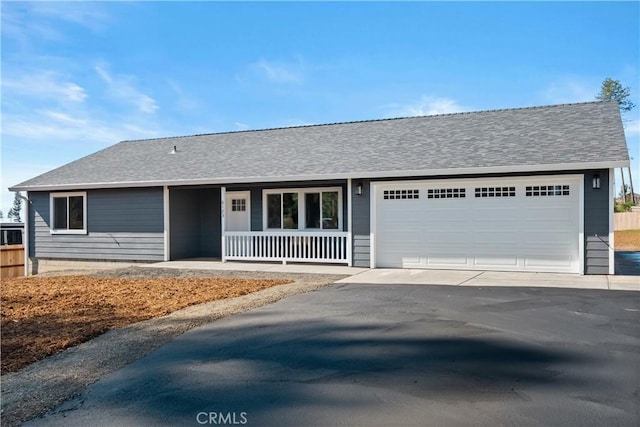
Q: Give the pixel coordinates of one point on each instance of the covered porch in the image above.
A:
(304, 222)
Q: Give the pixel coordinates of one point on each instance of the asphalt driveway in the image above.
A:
(354, 354)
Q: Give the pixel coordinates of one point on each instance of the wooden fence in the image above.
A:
(11, 261)
(626, 220)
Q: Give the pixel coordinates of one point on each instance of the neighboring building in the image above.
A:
(527, 189)
(11, 233)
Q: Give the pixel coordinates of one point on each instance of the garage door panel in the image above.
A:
(509, 231)
(447, 260)
(556, 262)
(496, 259)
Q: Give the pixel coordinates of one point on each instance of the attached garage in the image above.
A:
(518, 224)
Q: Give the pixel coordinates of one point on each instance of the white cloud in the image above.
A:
(425, 106)
(28, 22)
(122, 88)
(632, 128)
(53, 128)
(45, 84)
(279, 72)
(183, 101)
(90, 15)
(62, 117)
(569, 90)
(241, 126)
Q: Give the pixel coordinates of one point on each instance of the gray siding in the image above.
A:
(210, 235)
(121, 225)
(361, 224)
(184, 223)
(256, 209)
(194, 223)
(596, 223)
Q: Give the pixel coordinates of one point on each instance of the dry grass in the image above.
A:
(42, 316)
(627, 240)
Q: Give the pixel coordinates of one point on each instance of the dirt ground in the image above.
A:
(627, 240)
(41, 315)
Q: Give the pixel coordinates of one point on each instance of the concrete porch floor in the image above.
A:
(276, 267)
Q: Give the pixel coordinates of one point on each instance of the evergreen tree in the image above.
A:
(612, 90)
(15, 212)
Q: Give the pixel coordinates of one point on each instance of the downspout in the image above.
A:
(25, 235)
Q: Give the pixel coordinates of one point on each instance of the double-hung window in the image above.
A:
(303, 209)
(68, 213)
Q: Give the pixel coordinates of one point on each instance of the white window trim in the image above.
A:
(301, 207)
(83, 194)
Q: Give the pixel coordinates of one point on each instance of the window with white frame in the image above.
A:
(303, 209)
(68, 213)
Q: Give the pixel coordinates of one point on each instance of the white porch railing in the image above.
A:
(293, 246)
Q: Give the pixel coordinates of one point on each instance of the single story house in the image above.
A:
(524, 189)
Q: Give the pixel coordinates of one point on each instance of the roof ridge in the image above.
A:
(534, 107)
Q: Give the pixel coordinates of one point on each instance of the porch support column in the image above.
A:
(223, 248)
(611, 188)
(349, 223)
(167, 223)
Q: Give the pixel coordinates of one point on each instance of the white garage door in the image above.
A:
(520, 224)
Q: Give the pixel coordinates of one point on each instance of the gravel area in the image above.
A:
(42, 386)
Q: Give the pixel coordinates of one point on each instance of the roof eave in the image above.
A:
(354, 175)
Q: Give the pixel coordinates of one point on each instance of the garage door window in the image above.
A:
(495, 191)
(400, 194)
(445, 193)
(547, 190)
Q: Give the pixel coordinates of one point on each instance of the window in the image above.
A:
(495, 191)
(401, 194)
(546, 190)
(446, 193)
(68, 213)
(303, 209)
(238, 205)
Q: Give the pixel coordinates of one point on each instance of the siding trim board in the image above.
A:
(612, 243)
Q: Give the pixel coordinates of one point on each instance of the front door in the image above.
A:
(237, 211)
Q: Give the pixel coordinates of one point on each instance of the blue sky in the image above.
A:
(78, 77)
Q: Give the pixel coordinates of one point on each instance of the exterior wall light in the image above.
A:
(596, 181)
(359, 189)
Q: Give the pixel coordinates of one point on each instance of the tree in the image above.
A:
(16, 211)
(612, 90)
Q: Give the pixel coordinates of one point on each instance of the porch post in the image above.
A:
(612, 194)
(223, 249)
(349, 224)
(167, 223)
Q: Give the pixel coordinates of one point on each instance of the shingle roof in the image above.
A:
(568, 136)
